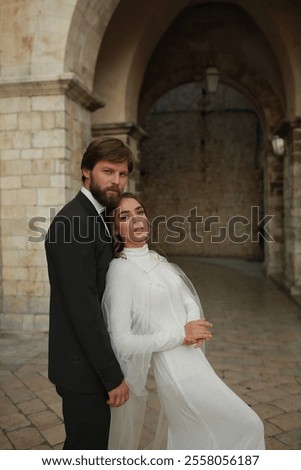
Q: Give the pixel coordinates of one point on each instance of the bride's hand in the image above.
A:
(196, 331)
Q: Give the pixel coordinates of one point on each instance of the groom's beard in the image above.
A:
(101, 195)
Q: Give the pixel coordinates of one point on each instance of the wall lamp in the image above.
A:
(278, 145)
(212, 79)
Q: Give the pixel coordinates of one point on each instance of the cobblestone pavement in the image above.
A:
(256, 349)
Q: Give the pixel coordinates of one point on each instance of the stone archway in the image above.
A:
(58, 89)
(181, 57)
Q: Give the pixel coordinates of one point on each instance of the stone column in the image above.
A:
(292, 208)
(45, 126)
(131, 134)
(273, 206)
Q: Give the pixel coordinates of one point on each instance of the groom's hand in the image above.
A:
(119, 395)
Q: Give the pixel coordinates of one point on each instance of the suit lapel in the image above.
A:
(92, 211)
(86, 203)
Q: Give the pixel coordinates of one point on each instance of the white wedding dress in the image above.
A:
(147, 302)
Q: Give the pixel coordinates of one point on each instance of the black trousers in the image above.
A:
(86, 418)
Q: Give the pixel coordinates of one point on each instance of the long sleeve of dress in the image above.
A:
(188, 294)
(123, 327)
(194, 311)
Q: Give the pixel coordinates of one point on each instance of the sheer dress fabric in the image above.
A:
(147, 302)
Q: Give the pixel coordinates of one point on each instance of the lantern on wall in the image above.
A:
(278, 145)
(212, 79)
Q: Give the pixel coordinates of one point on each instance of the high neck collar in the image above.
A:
(140, 251)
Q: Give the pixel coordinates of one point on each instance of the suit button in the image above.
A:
(74, 359)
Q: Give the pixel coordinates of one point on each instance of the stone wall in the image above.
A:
(42, 138)
(202, 158)
(292, 211)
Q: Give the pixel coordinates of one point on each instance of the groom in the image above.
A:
(82, 363)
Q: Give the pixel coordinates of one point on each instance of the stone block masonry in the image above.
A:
(42, 139)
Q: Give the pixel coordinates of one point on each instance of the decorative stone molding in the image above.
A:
(119, 128)
(67, 84)
(287, 126)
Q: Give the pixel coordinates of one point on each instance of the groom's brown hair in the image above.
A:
(110, 149)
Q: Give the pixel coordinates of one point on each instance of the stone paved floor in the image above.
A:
(256, 349)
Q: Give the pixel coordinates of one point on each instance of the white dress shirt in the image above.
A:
(99, 207)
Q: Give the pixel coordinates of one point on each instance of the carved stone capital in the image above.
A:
(68, 84)
(119, 128)
(286, 127)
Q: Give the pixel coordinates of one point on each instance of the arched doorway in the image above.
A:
(229, 136)
(202, 172)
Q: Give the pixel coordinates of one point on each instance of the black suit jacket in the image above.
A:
(78, 256)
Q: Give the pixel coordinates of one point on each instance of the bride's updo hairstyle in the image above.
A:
(118, 245)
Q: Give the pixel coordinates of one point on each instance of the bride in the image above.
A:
(156, 323)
